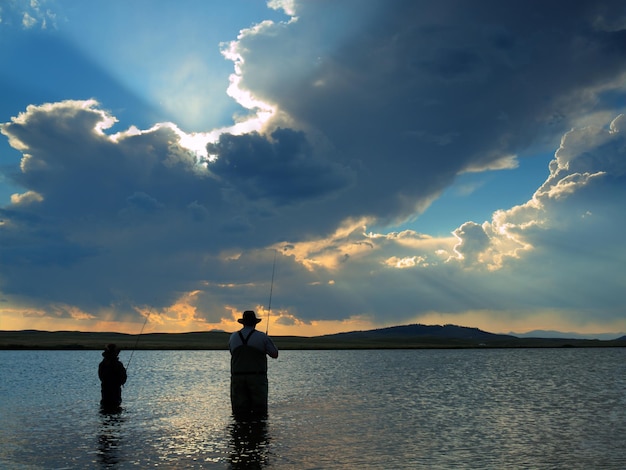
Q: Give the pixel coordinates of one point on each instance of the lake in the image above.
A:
(376, 409)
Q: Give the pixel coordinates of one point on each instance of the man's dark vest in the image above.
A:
(246, 360)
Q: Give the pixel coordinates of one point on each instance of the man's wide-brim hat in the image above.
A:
(249, 318)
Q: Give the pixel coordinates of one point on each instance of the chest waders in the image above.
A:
(247, 360)
(248, 381)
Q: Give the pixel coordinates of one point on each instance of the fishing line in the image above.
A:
(269, 307)
(137, 341)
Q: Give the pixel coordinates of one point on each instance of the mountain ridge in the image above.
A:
(561, 334)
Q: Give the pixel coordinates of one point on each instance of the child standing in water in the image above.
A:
(112, 376)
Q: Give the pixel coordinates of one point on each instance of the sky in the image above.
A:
(332, 165)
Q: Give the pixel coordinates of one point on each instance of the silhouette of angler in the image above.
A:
(249, 349)
(112, 376)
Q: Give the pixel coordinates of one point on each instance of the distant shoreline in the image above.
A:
(76, 340)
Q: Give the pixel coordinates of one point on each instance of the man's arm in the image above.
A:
(270, 348)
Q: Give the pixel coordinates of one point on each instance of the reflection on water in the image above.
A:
(514, 409)
(110, 437)
(249, 443)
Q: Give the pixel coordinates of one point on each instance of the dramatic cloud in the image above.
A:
(360, 116)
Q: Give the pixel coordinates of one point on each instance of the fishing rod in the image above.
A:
(137, 341)
(269, 307)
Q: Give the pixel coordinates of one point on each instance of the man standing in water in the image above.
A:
(112, 376)
(248, 368)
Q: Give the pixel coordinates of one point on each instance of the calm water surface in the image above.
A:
(400, 409)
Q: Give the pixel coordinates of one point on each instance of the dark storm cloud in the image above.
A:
(280, 169)
(420, 92)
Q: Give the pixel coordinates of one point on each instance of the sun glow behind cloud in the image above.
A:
(183, 78)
